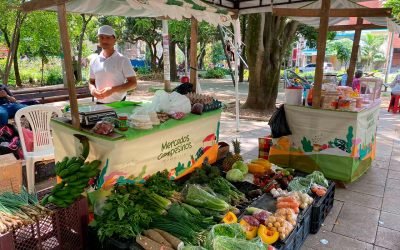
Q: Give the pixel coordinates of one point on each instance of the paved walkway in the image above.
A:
(366, 215)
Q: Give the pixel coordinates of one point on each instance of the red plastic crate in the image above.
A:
(65, 229)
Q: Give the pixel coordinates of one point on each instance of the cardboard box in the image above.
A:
(10, 173)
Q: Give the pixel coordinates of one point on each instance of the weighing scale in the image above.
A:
(90, 114)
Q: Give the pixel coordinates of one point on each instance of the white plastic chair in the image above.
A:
(38, 117)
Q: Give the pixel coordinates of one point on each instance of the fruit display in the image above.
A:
(230, 158)
(75, 174)
(259, 166)
(203, 103)
(75, 178)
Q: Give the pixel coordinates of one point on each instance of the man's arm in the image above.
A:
(93, 90)
(130, 84)
(9, 95)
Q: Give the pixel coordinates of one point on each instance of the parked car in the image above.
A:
(328, 67)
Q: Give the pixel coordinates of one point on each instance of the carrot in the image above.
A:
(287, 199)
(157, 237)
(149, 244)
(292, 205)
(175, 242)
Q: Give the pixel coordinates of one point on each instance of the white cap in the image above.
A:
(106, 30)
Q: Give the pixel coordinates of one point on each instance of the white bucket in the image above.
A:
(293, 96)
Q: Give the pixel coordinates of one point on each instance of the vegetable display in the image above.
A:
(18, 210)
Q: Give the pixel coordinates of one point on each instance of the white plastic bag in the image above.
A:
(179, 103)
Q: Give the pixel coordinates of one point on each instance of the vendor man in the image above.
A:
(111, 74)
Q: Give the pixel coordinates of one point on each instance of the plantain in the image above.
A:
(85, 146)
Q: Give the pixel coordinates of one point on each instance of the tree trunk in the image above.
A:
(18, 80)
(243, 22)
(267, 41)
(12, 46)
(153, 56)
(201, 59)
(172, 60)
(80, 45)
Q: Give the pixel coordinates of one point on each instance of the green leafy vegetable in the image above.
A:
(197, 196)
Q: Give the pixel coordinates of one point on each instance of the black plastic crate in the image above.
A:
(321, 208)
(44, 171)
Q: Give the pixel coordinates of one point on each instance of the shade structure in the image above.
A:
(177, 9)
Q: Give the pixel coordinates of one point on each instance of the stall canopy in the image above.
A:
(177, 9)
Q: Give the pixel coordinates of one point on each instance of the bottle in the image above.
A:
(310, 97)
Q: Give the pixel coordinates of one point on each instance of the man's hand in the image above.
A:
(3, 93)
(97, 93)
(106, 92)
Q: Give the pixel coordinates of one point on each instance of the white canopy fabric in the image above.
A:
(259, 6)
(175, 9)
(343, 4)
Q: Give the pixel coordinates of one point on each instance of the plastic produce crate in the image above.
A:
(65, 229)
(44, 170)
(321, 208)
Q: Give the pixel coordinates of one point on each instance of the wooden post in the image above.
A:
(193, 53)
(321, 46)
(62, 23)
(167, 66)
(354, 53)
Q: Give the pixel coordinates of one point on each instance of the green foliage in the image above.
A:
(311, 35)
(54, 77)
(371, 51)
(342, 49)
(395, 5)
(217, 53)
(307, 146)
(215, 73)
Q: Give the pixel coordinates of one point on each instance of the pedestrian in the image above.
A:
(8, 105)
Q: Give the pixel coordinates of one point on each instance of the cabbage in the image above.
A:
(241, 166)
(234, 175)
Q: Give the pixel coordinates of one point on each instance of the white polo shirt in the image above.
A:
(110, 72)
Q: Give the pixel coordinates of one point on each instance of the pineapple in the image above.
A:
(232, 158)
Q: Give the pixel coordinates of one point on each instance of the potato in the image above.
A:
(277, 224)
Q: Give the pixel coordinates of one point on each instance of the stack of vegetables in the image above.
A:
(314, 182)
(17, 210)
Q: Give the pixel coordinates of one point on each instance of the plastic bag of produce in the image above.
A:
(227, 243)
(160, 101)
(227, 230)
(318, 178)
(179, 103)
(299, 184)
(197, 196)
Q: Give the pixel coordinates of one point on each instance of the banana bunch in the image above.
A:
(75, 175)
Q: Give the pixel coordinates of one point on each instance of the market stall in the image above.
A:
(175, 145)
(341, 144)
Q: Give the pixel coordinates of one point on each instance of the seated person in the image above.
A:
(395, 85)
(356, 85)
(8, 105)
